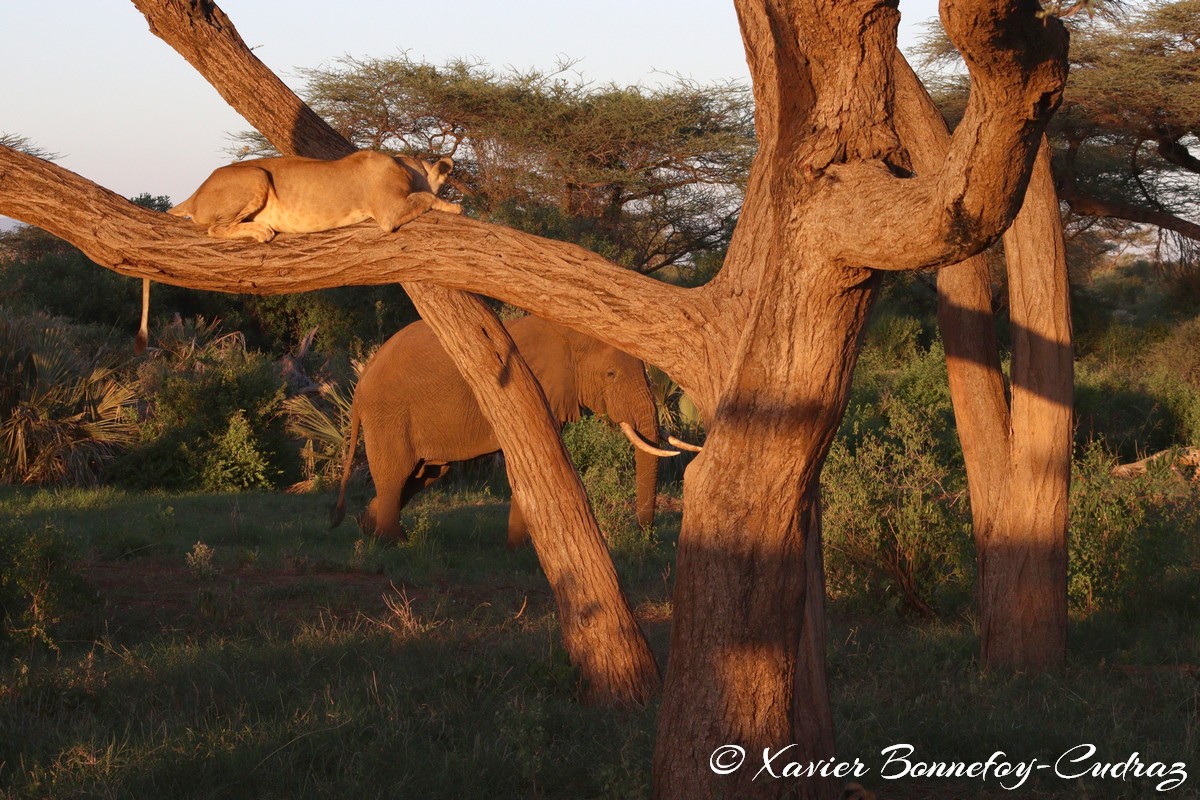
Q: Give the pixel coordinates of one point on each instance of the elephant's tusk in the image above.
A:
(643, 445)
(682, 445)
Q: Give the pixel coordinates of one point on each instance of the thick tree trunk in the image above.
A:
(599, 632)
(746, 664)
(1023, 560)
(1019, 459)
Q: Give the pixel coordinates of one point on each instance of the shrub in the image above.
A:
(1175, 376)
(234, 462)
(604, 459)
(37, 585)
(1141, 392)
(1126, 533)
(323, 424)
(213, 421)
(64, 413)
(894, 512)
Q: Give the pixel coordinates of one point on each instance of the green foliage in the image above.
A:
(1137, 388)
(64, 411)
(40, 272)
(214, 419)
(38, 585)
(896, 525)
(235, 460)
(341, 316)
(1174, 363)
(323, 424)
(648, 178)
(604, 459)
(1127, 534)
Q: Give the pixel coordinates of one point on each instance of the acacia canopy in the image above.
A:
(648, 178)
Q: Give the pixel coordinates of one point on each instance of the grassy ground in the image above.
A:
(293, 661)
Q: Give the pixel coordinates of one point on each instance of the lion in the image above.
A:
(289, 194)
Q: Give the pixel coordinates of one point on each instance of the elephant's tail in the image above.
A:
(338, 513)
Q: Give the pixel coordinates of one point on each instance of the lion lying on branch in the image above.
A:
(257, 199)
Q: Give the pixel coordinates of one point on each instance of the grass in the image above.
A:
(308, 663)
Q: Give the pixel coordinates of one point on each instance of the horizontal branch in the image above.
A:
(1178, 457)
(654, 321)
(1087, 205)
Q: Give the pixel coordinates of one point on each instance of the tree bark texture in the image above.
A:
(1018, 457)
(742, 668)
(599, 632)
(766, 349)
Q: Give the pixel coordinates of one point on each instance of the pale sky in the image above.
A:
(87, 80)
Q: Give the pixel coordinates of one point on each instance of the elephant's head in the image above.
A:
(613, 384)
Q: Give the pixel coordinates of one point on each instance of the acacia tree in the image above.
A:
(647, 178)
(766, 348)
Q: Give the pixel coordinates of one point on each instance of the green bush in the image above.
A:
(64, 410)
(1126, 534)
(1139, 392)
(604, 459)
(896, 525)
(37, 585)
(213, 422)
(1175, 376)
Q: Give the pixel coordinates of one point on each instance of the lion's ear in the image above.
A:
(443, 166)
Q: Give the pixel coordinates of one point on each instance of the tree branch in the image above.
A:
(1088, 206)
(965, 317)
(555, 280)
(1175, 152)
(250, 87)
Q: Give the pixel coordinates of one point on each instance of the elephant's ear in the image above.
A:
(550, 356)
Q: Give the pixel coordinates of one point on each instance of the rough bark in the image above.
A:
(826, 197)
(1018, 458)
(661, 324)
(767, 350)
(599, 632)
(1023, 560)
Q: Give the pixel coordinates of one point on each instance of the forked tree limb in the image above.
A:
(1018, 68)
(1018, 453)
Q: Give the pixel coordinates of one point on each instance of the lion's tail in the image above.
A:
(338, 513)
(143, 335)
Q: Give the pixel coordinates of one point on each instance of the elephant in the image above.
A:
(418, 415)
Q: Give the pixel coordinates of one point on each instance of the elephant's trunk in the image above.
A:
(646, 424)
